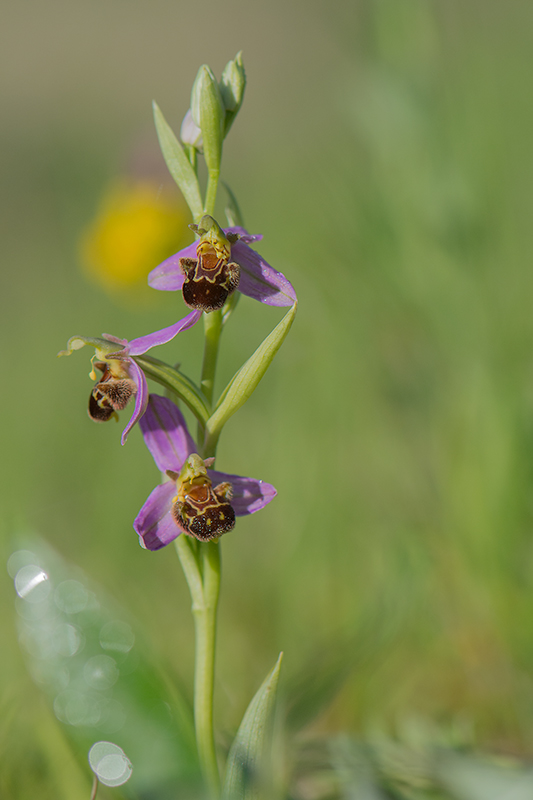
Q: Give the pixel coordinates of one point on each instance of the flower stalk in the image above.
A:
(211, 192)
(212, 331)
(197, 504)
(205, 619)
(201, 566)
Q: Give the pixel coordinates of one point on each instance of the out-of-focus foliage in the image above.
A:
(401, 768)
(135, 227)
(384, 151)
(88, 662)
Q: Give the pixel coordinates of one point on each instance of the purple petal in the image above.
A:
(154, 523)
(249, 494)
(259, 280)
(139, 346)
(166, 435)
(141, 398)
(168, 276)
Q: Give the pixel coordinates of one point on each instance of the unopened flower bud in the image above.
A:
(232, 85)
(208, 114)
(190, 132)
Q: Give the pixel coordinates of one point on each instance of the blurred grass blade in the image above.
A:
(313, 686)
(247, 751)
(474, 778)
(178, 164)
(177, 382)
(246, 379)
(356, 775)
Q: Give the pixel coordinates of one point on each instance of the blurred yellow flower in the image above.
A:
(138, 224)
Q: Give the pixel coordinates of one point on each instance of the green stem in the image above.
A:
(193, 158)
(204, 679)
(213, 329)
(201, 565)
(202, 571)
(211, 192)
(210, 442)
(212, 320)
(186, 550)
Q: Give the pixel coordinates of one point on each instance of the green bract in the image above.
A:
(178, 164)
(246, 379)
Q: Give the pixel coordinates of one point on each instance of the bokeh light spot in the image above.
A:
(19, 559)
(117, 636)
(77, 708)
(71, 597)
(32, 583)
(101, 672)
(66, 640)
(110, 763)
(113, 716)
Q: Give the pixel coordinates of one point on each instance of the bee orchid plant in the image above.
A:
(196, 505)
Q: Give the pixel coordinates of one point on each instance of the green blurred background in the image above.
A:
(384, 151)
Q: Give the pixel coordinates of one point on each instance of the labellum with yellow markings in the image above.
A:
(201, 510)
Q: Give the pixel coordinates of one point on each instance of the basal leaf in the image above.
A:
(246, 756)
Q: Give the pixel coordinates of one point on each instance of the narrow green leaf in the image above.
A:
(177, 382)
(178, 164)
(246, 379)
(247, 751)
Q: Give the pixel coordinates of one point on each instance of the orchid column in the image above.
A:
(196, 505)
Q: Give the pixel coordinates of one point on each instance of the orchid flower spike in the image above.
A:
(209, 270)
(197, 500)
(122, 378)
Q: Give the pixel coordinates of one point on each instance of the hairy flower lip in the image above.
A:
(258, 279)
(170, 443)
